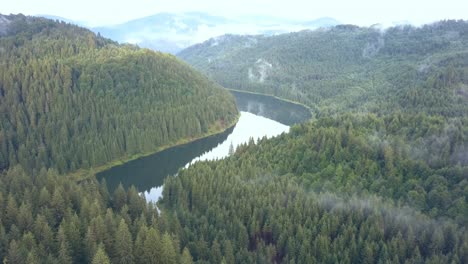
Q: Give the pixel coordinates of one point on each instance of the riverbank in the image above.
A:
(275, 97)
(216, 128)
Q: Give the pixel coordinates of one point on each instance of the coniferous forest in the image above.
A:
(378, 175)
(72, 100)
(348, 68)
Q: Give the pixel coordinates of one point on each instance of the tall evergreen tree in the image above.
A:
(123, 245)
(101, 257)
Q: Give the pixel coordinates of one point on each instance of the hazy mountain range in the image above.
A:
(171, 32)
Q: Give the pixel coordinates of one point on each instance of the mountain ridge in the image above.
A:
(345, 64)
(116, 100)
(171, 32)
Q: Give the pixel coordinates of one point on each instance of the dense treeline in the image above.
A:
(70, 99)
(355, 188)
(50, 219)
(347, 189)
(378, 176)
(366, 154)
(238, 211)
(272, 201)
(348, 68)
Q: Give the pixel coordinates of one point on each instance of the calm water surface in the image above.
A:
(256, 121)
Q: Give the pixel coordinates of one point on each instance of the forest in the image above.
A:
(379, 174)
(345, 189)
(71, 99)
(51, 219)
(348, 68)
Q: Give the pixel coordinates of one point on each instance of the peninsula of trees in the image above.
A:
(70, 99)
(378, 175)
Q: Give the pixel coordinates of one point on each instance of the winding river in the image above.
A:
(260, 116)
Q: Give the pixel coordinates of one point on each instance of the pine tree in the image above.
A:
(123, 245)
(231, 149)
(215, 254)
(3, 242)
(90, 244)
(101, 257)
(186, 258)
(168, 252)
(64, 255)
(229, 252)
(43, 232)
(152, 247)
(139, 247)
(104, 192)
(11, 211)
(14, 254)
(135, 203)
(32, 258)
(58, 205)
(120, 197)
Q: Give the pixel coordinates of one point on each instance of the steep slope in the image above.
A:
(347, 68)
(70, 99)
(47, 218)
(347, 189)
(378, 176)
(165, 32)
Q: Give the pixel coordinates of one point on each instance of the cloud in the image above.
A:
(360, 12)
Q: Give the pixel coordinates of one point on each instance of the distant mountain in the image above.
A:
(347, 67)
(322, 22)
(67, 20)
(173, 32)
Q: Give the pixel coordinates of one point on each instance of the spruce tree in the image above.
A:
(123, 245)
(101, 257)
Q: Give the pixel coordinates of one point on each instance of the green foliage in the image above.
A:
(348, 68)
(101, 256)
(152, 250)
(186, 258)
(123, 245)
(362, 154)
(168, 253)
(70, 99)
(270, 216)
(91, 229)
(379, 174)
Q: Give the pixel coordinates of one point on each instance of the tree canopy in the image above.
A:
(70, 99)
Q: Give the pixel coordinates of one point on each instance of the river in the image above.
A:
(259, 116)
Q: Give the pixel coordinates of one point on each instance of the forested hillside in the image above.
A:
(348, 68)
(70, 99)
(348, 189)
(379, 175)
(50, 219)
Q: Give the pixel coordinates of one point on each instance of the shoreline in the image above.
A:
(275, 97)
(85, 174)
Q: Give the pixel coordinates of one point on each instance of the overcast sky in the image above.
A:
(360, 12)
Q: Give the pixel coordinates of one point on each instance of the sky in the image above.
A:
(358, 12)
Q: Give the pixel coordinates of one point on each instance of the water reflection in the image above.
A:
(281, 111)
(249, 126)
(148, 172)
(260, 116)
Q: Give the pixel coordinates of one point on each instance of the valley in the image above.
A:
(344, 144)
(148, 174)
